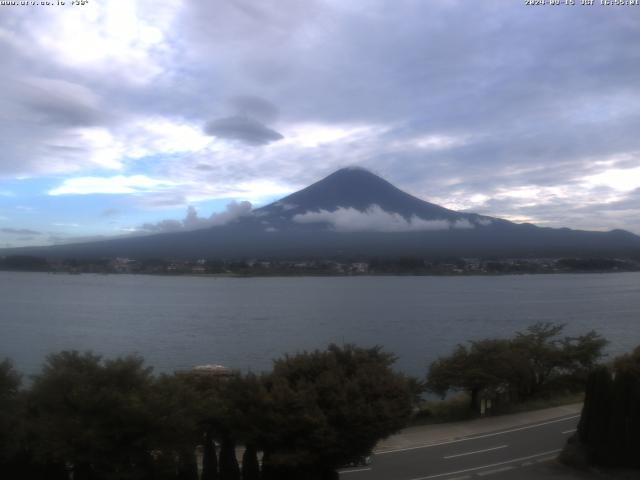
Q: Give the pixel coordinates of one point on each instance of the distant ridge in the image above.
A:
(355, 213)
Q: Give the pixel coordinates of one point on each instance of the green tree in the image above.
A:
(629, 363)
(534, 362)
(12, 447)
(610, 420)
(489, 364)
(539, 345)
(326, 408)
(551, 358)
(93, 414)
(178, 409)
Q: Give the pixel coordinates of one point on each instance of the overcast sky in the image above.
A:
(118, 114)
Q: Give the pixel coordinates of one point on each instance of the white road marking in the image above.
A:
(487, 466)
(569, 431)
(495, 470)
(466, 439)
(356, 470)
(545, 459)
(476, 451)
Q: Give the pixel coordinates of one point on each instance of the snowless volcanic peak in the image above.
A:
(359, 189)
(353, 212)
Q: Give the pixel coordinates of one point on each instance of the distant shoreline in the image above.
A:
(324, 275)
(325, 267)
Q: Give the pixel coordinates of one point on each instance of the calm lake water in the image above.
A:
(178, 322)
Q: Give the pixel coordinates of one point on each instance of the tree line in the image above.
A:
(113, 419)
(535, 363)
(541, 362)
(103, 419)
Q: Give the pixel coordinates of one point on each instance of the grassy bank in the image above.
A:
(456, 408)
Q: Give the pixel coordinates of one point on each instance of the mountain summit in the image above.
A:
(354, 199)
(355, 213)
(357, 188)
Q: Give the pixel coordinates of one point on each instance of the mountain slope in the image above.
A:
(350, 191)
(355, 213)
(359, 189)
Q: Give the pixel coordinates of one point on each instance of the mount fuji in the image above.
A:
(355, 213)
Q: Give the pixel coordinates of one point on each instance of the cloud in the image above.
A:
(126, 40)
(247, 125)
(462, 224)
(62, 224)
(233, 210)
(19, 231)
(243, 129)
(193, 221)
(625, 180)
(255, 107)
(375, 219)
(62, 102)
(52, 93)
(119, 184)
(447, 107)
(163, 226)
(53, 126)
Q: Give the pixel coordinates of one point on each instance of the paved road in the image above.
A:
(501, 453)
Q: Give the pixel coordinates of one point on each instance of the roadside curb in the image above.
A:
(425, 435)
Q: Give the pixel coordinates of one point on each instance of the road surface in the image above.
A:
(503, 454)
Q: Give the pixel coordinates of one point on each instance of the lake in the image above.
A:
(244, 323)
